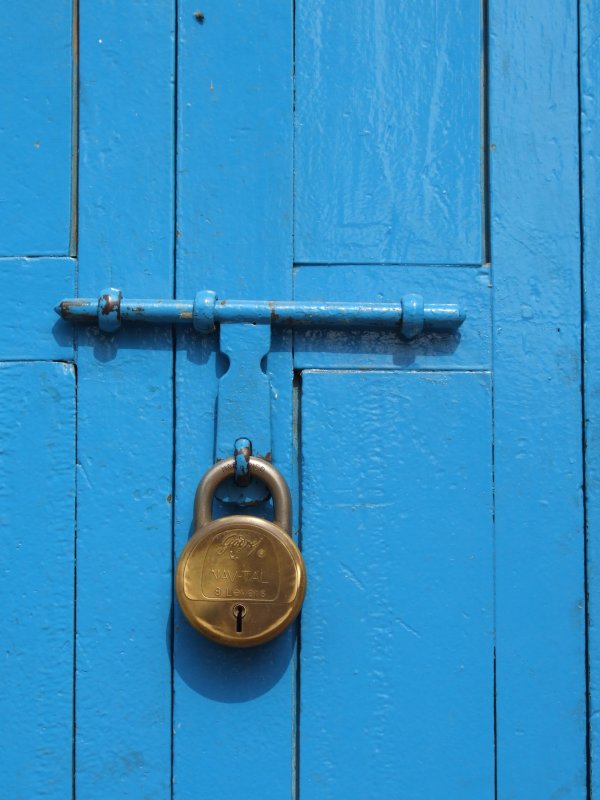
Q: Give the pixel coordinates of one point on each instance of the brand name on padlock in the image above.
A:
(241, 546)
(245, 575)
(219, 582)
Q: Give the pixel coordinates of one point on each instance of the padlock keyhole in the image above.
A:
(239, 611)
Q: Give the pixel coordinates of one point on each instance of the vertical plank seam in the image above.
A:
(588, 748)
(73, 247)
(297, 438)
(486, 254)
(293, 140)
(74, 221)
(486, 202)
(174, 388)
(74, 676)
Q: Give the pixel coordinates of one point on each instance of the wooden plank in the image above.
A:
(234, 236)
(31, 289)
(388, 131)
(35, 136)
(124, 579)
(590, 164)
(37, 479)
(469, 348)
(397, 657)
(537, 399)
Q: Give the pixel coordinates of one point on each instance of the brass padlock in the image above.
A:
(241, 579)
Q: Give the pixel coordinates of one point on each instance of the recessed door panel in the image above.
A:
(38, 144)
(397, 652)
(388, 131)
(37, 590)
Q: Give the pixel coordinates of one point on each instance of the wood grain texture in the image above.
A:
(37, 496)
(397, 655)
(123, 705)
(35, 134)
(388, 133)
(540, 599)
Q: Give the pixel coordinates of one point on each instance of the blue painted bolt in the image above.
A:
(410, 317)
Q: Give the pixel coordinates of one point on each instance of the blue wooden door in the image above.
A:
(316, 150)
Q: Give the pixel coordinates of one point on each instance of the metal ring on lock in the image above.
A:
(259, 468)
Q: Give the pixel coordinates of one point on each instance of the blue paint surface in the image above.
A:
(35, 135)
(234, 222)
(468, 347)
(125, 400)
(37, 549)
(388, 131)
(29, 329)
(444, 620)
(397, 656)
(590, 164)
(540, 592)
(243, 404)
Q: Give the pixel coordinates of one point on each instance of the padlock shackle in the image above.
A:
(259, 468)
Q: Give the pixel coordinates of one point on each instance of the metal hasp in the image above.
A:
(410, 316)
(244, 396)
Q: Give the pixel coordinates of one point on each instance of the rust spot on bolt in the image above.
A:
(110, 306)
(67, 313)
(66, 310)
